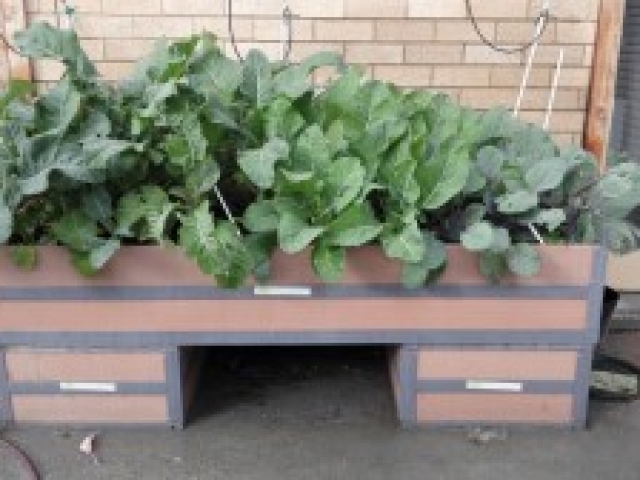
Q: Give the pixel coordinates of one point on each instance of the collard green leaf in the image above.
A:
(490, 161)
(294, 234)
(415, 275)
(523, 259)
(144, 213)
(6, 223)
(407, 245)
(345, 179)
(77, 231)
(354, 227)
(260, 164)
(477, 237)
(328, 262)
(546, 175)
(551, 218)
(261, 217)
(443, 177)
(493, 265)
(312, 149)
(517, 202)
(257, 78)
(101, 255)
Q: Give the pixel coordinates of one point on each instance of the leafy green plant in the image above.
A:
(231, 160)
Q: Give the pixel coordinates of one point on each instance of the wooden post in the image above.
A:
(15, 19)
(603, 78)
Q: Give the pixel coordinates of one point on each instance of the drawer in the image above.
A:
(491, 385)
(95, 386)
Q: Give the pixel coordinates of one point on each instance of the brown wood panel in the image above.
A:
(89, 409)
(157, 266)
(495, 408)
(440, 364)
(623, 272)
(28, 365)
(603, 78)
(294, 315)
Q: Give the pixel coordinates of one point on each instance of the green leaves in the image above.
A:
(6, 223)
(328, 262)
(144, 214)
(523, 260)
(545, 175)
(294, 235)
(24, 257)
(406, 245)
(433, 261)
(443, 176)
(259, 164)
(517, 202)
(218, 250)
(478, 237)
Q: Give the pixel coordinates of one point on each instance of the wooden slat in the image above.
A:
(623, 272)
(294, 315)
(90, 409)
(28, 365)
(156, 266)
(495, 408)
(603, 80)
(447, 364)
(15, 19)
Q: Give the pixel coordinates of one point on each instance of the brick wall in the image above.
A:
(415, 43)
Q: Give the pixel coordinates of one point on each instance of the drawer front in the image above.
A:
(442, 408)
(491, 385)
(489, 364)
(27, 365)
(93, 386)
(90, 409)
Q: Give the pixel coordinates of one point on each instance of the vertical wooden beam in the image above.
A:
(603, 78)
(15, 19)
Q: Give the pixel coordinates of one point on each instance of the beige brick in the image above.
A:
(374, 53)
(94, 47)
(31, 5)
(434, 53)
(506, 76)
(301, 50)
(165, 26)
(463, 31)
(589, 52)
(574, 55)
(462, 76)
(47, 70)
(193, 7)
(583, 32)
(569, 9)
(343, 30)
(85, 6)
(404, 75)
(565, 139)
(129, 49)
(482, 54)
(375, 8)
(324, 75)
(534, 99)
(256, 7)
(317, 8)
(41, 17)
(523, 33)
(437, 8)
(575, 77)
(93, 26)
(242, 27)
(272, 29)
(405, 30)
(501, 8)
(128, 7)
(561, 122)
(114, 70)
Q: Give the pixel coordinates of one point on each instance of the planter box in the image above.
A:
(624, 272)
(95, 386)
(153, 298)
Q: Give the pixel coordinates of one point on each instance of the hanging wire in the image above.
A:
(287, 19)
(542, 19)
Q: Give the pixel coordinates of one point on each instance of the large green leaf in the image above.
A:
(261, 217)
(41, 40)
(489, 162)
(477, 237)
(523, 260)
(144, 214)
(517, 202)
(435, 258)
(407, 245)
(443, 176)
(294, 234)
(257, 78)
(77, 231)
(328, 262)
(260, 164)
(546, 175)
(354, 227)
(345, 180)
(6, 223)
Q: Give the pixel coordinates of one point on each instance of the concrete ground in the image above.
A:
(324, 415)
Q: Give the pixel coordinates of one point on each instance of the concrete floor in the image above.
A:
(327, 414)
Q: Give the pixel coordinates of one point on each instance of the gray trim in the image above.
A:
(53, 388)
(581, 387)
(596, 290)
(175, 403)
(318, 291)
(515, 424)
(6, 410)
(124, 340)
(534, 387)
(406, 376)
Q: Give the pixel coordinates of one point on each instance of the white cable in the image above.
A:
(527, 71)
(227, 210)
(554, 90)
